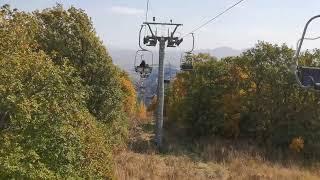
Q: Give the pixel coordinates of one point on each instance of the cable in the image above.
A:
(214, 18)
(147, 11)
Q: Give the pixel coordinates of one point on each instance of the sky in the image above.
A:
(117, 22)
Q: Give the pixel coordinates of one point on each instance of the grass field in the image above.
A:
(183, 160)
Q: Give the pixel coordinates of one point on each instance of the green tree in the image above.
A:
(194, 97)
(68, 35)
(254, 95)
(51, 127)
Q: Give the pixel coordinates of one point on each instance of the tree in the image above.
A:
(43, 136)
(51, 125)
(253, 96)
(68, 36)
(194, 98)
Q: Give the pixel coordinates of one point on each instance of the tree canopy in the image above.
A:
(63, 103)
(253, 96)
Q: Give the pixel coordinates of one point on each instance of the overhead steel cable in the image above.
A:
(147, 10)
(214, 18)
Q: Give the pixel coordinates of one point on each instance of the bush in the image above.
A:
(252, 96)
(44, 136)
(198, 105)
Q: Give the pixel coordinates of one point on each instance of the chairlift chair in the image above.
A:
(186, 61)
(168, 79)
(144, 68)
(307, 77)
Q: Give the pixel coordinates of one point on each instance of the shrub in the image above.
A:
(252, 96)
(44, 133)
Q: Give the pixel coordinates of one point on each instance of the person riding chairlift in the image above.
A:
(143, 66)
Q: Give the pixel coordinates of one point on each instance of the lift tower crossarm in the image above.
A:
(162, 24)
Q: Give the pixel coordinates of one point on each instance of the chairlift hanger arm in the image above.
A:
(192, 44)
(303, 37)
(143, 49)
(307, 38)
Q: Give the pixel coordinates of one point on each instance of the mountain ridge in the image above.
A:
(124, 58)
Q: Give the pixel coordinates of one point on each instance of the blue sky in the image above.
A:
(117, 21)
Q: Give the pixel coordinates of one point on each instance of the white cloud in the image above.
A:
(123, 10)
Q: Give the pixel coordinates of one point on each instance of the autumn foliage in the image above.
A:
(253, 96)
(130, 98)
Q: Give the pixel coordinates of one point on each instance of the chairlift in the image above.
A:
(307, 77)
(142, 66)
(187, 58)
(168, 80)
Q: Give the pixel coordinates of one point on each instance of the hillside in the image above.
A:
(184, 160)
(70, 108)
(239, 117)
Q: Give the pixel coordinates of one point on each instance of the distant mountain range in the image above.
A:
(221, 52)
(124, 58)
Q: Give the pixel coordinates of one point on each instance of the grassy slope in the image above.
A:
(214, 161)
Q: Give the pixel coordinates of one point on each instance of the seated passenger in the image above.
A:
(143, 64)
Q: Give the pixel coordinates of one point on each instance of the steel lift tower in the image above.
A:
(169, 40)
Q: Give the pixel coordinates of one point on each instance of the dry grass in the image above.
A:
(133, 166)
(147, 166)
(217, 160)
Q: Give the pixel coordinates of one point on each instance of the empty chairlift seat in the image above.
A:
(186, 67)
(187, 58)
(309, 76)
